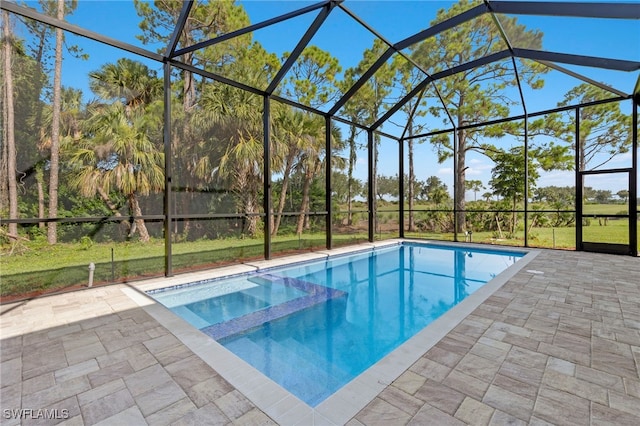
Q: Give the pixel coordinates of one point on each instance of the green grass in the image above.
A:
(45, 268)
(37, 267)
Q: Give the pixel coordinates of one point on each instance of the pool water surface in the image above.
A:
(313, 327)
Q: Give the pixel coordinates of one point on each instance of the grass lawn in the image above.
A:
(38, 267)
(44, 268)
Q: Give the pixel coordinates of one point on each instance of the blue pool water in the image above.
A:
(313, 327)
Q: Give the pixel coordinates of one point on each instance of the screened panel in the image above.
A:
(236, 58)
(551, 217)
(223, 241)
(116, 255)
(312, 238)
(576, 35)
(350, 188)
(298, 164)
(387, 188)
(474, 39)
(413, 16)
(409, 119)
(105, 17)
(550, 88)
(605, 194)
(110, 159)
(317, 78)
(494, 161)
(376, 95)
(613, 82)
(429, 213)
(218, 153)
(486, 93)
(605, 135)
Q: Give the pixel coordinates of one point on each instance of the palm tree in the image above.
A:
(475, 186)
(70, 118)
(117, 152)
(232, 119)
(129, 81)
(291, 136)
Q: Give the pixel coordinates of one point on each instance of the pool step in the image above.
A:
(314, 295)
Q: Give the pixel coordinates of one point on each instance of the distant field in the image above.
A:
(605, 209)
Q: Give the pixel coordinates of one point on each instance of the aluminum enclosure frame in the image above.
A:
(552, 59)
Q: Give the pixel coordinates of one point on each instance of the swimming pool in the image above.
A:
(313, 327)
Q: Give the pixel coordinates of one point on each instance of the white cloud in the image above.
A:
(445, 171)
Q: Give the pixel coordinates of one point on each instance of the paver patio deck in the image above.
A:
(559, 343)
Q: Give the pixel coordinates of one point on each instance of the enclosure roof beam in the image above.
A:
(578, 10)
(182, 19)
(64, 25)
(251, 28)
(436, 29)
(583, 78)
(581, 60)
(519, 117)
(443, 26)
(297, 105)
(215, 77)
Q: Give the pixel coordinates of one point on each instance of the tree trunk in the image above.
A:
(283, 195)
(54, 164)
(498, 223)
(138, 222)
(10, 128)
(40, 186)
(514, 218)
(252, 221)
(305, 201)
(412, 179)
(352, 163)
(113, 208)
(459, 201)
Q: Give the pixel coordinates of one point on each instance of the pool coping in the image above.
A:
(282, 406)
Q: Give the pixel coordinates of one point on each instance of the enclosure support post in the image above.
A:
(328, 182)
(266, 117)
(168, 201)
(455, 185)
(371, 195)
(579, 180)
(633, 181)
(526, 180)
(401, 187)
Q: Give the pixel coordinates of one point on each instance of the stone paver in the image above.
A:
(559, 343)
(556, 347)
(105, 368)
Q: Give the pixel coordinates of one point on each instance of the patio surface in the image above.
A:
(558, 343)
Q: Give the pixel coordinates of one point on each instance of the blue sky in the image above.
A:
(345, 39)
